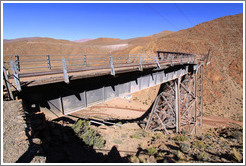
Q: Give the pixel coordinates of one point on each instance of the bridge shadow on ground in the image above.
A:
(55, 142)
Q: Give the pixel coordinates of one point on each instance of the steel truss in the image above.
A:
(178, 108)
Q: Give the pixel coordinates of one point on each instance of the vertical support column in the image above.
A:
(66, 79)
(181, 62)
(15, 75)
(201, 109)
(177, 104)
(103, 93)
(7, 83)
(112, 65)
(85, 63)
(85, 99)
(62, 106)
(179, 110)
(17, 62)
(48, 61)
(195, 94)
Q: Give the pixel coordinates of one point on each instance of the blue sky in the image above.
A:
(125, 20)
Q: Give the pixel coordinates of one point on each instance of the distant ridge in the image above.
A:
(82, 40)
(20, 39)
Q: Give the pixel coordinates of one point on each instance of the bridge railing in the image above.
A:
(46, 63)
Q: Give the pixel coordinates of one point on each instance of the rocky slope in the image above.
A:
(223, 77)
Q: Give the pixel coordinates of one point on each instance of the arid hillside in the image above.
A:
(223, 77)
(44, 46)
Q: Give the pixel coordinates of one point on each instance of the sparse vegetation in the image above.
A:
(87, 134)
(159, 135)
(139, 135)
(117, 141)
(180, 155)
(180, 138)
(201, 156)
(142, 159)
(152, 151)
(134, 159)
(185, 147)
(198, 144)
(236, 155)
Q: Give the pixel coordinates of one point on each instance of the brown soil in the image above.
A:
(122, 108)
(36, 139)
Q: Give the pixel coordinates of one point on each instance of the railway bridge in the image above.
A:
(69, 83)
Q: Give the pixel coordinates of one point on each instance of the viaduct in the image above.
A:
(71, 83)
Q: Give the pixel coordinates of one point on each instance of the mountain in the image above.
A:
(103, 41)
(82, 40)
(20, 39)
(223, 77)
(44, 46)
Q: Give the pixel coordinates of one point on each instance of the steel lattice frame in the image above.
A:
(178, 108)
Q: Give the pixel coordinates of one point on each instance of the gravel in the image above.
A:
(16, 146)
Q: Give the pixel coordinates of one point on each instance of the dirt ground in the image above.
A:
(16, 138)
(36, 137)
(126, 107)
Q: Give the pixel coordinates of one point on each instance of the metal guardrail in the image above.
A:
(19, 65)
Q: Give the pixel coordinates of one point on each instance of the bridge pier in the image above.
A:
(178, 107)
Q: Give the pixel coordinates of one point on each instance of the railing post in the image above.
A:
(48, 61)
(168, 56)
(17, 62)
(172, 60)
(15, 75)
(129, 58)
(157, 63)
(85, 64)
(140, 64)
(7, 83)
(111, 65)
(66, 79)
